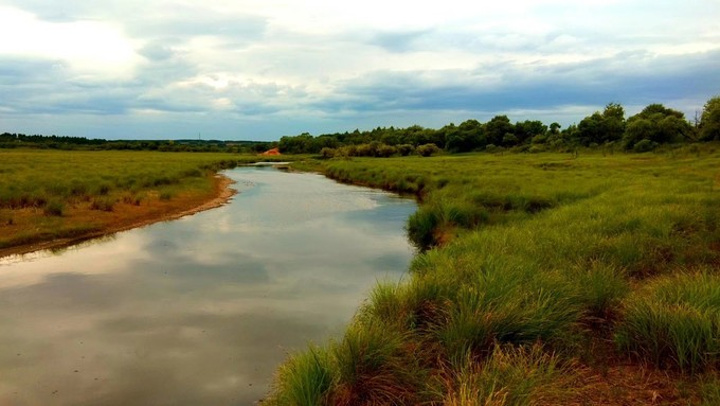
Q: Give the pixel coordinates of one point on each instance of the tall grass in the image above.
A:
(675, 321)
(46, 194)
(304, 379)
(33, 178)
(566, 255)
(509, 376)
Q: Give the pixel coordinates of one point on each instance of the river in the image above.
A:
(201, 310)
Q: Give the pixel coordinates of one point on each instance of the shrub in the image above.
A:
(427, 150)
(327, 153)
(645, 146)
(405, 149)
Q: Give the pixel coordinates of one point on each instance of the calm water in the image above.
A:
(201, 310)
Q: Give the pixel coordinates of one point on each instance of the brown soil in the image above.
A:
(124, 216)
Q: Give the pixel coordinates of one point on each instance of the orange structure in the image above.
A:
(274, 151)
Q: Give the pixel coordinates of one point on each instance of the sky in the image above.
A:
(262, 69)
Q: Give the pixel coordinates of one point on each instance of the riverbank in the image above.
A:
(125, 215)
(50, 198)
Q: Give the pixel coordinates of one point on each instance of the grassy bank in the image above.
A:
(51, 195)
(544, 279)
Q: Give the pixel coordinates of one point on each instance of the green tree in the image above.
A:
(710, 120)
(658, 124)
(601, 128)
(527, 130)
(466, 137)
(496, 128)
(555, 128)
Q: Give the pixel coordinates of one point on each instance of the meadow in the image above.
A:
(48, 195)
(541, 279)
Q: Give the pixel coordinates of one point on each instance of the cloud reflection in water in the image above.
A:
(200, 310)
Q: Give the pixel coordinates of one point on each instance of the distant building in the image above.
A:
(274, 151)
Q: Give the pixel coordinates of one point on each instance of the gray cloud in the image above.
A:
(283, 77)
(398, 41)
(625, 78)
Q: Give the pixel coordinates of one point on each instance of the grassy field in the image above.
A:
(543, 279)
(50, 195)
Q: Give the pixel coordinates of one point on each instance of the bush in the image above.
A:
(385, 151)
(405, 149)
(645, 146)
(327, 153)
(427, 150)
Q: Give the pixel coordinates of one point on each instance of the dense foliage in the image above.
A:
(653, 126)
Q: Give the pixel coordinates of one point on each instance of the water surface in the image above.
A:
(200, 310)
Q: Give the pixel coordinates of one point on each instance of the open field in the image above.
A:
(60, 196)
(545, 279)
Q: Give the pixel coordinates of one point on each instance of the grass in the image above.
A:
(675, 321)
(509, 376)
(591, 264)
(47, 195)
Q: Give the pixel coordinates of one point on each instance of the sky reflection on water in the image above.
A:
(200, 310)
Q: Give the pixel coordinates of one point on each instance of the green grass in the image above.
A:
(599, 259)
(304, 379)
(509, 376)
(675, 321)
(32, 178)
(46, 194)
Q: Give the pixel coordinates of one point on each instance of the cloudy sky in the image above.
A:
(260, 69)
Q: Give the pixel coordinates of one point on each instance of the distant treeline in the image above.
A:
(645, 131)
(10, 140)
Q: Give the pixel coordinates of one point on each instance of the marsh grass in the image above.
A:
(675, 321)
(593, 259)
(304, 379)
(509, 376)
(103, 203)
(54, 207)
(66, 184)
(710, 390)
(372, 367)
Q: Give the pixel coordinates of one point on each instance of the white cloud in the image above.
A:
(260, 59)
(91, 49)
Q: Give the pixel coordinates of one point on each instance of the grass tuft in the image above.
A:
(54, 207)
(674, 322)
(303, 380)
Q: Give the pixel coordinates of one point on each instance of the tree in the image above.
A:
(601, 128)
(710, 120)
(658, 124)
(466, 137)
(555, 128)
(527, 130)
(496, 128)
